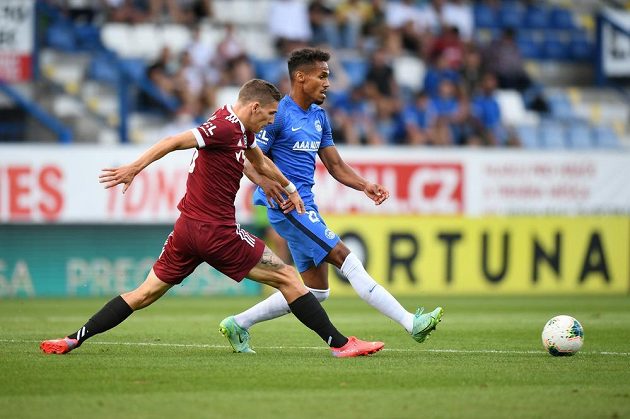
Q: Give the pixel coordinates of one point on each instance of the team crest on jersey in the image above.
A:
(318, 126)
(329, 234)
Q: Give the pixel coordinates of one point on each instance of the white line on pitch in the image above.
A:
(201, 345)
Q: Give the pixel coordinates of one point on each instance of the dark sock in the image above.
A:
(111, 315)
(310, 312)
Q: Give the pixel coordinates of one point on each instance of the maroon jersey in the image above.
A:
(216, 169)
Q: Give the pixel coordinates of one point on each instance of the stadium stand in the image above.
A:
(98, 74)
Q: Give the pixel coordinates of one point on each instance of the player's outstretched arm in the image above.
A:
(344, 174)
(267, 168)
(125, 174)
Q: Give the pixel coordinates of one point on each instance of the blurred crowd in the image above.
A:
(455, 104)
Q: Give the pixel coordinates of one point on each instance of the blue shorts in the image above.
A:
(308, 237)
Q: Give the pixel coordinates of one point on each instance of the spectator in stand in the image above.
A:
(289, 25)
(487, 110)
(354, 117)
(192, 87)
(449, 46)
(406, 28)
(238, 70)
(436, 74)
(323, 24)
(418, 118)
(374, 28)
(229, 47)
(447, 112)
(459, 13)
(503, 58)
(232, 58)
(163, 70)
(352, 15)
(380, 85)
(204, 57)
(471, 71)
(466, 128)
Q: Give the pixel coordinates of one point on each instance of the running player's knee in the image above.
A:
(321, 295)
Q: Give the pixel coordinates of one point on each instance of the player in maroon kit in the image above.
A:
(206, 230)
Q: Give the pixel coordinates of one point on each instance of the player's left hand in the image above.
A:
(377, 193)
(296, 201)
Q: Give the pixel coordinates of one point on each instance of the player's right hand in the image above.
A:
(118, 175)
(273, 191)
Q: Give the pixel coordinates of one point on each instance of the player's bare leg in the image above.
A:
(272, 271)
(111, 315)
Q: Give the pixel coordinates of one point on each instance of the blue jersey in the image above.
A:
(292, 142)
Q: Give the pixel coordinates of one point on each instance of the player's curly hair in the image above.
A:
(305, 57)
(257, 90)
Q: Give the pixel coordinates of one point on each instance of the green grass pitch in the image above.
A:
(169, 361)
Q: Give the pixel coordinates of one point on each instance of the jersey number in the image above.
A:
(192, 163)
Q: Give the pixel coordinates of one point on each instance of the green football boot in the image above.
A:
(424, 324)
(236, 335)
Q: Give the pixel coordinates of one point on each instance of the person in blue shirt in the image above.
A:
(300, 133)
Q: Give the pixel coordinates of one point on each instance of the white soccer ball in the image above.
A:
(563, 336)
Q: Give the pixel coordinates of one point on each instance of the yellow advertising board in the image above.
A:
(411, 255)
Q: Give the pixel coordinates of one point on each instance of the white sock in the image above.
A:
(375, 295)
(273, 306)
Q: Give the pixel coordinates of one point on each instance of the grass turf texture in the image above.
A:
(485, 360)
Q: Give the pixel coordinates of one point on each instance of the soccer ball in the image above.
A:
(562, 336)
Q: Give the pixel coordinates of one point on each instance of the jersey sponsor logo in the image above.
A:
(245, 236)
(296, 129)
(262, 137)
(318, 126)
(306, 146)
(208, 128)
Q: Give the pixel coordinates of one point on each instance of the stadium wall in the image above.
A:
(458, 221)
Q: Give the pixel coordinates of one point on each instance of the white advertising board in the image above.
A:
(60, 184)
(17, 26)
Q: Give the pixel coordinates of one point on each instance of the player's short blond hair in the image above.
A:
(261, 91)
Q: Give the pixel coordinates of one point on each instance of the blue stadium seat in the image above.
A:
(579, 136)
(556, 45)
(103, 68)
(356, 69)
(61, 37)
(511, 15)
(88, 37)
(528, 136)
(529, 43)
(135, 68)
(537, 17)
(581, 46)
(561, 18)
(485, 16)
(552, 135)
(605, 137)
(561, 106)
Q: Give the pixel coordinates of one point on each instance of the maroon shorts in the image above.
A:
(227, 248)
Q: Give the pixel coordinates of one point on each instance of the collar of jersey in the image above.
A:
(229, 108)
(295, 105)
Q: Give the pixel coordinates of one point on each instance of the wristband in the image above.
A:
(290, 188)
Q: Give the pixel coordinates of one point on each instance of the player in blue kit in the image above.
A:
(300, 133)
